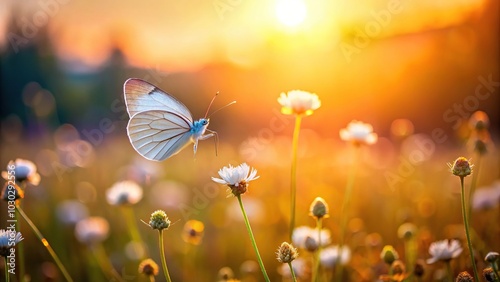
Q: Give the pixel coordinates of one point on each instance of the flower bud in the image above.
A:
(389, 254)
(286, 253)
(148, 267)
(159, 220)
(461, 167)
(464, 277)
(489, 275)
(491, 257)
(319, 208)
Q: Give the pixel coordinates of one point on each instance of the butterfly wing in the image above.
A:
(141, 96)
(158, 135)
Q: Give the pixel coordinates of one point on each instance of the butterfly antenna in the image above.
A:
(233, 102)
(211, 102)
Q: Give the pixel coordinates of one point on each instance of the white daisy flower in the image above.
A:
(6, 239)
(24, 170)
(332, 255)
(444, 250)
(236, 178)
(301, 233)
(124, 192)
(92, 230)
(297, 102)
(300, 268)
(71, 211)
(358, 133)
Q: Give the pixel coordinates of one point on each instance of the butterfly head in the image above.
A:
(199, 126)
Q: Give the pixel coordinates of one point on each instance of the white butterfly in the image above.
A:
(160, 126)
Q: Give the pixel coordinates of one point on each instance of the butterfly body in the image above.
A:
(159, 125)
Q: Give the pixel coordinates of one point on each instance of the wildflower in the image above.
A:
(8, 239)
(311, 244)
(464, 277)
(419, 269)
(297, 102)
(480, 144)
(479, 120)
(358, 133)
(486, 198)
(407, 230)
(286, 253)
(330, 256)
(71, 211)
(236, 178)
(461, 167)
(123, 193)
(319, 208)
(301, 233)
(492, 257)
(6, 195)
(225, 274)
(24, 171)
(193, 232)
(489, 275)
(300, 268)
(148, 267)
(159, 220)
(444, 250)
(398, 272)
(92, 230)
(389, 254)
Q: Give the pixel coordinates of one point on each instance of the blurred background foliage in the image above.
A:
(407, 67)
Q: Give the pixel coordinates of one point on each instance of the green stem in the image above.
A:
(45, 244)
(20, 247)
(7, 277)
(132, 224)
(467, 235)
(162, 255)
(315, 274)
(448, 269)
(252, 239)
(344, 209)
(293, 272)
(106, 267)
(473, 185)
(495, 269)
(410, 253)
(293, 180)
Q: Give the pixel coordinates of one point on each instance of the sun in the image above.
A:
(291, 13)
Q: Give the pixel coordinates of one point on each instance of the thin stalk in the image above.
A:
(344, 209)
(131, 224)
(162, 255)
(495, 269)
(293, 272)
(293, 180)
(315, 274)
(7, 276)
(20, 247)
(473, 185)
(448, 269)
(45, 244)
(467, 234)
(104, 264)
(252, 239)
(410, 254)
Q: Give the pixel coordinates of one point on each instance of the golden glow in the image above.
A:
(291, 12)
